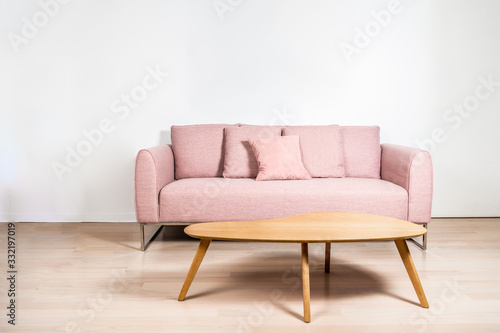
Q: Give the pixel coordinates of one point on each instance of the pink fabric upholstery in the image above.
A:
(198, 150)
(405, 190)
(239, 159)
(321, 149)
(361, 151)
(222, 199)
(279, 158)
(411, 169)
(154, 168)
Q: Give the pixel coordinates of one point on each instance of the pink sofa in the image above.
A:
(184, 182)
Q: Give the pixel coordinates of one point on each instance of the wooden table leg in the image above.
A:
(198, 258)
(306, 294)
(412, 272)
(328, 247)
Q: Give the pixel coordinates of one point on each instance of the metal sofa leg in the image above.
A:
(145, 244)
(422, 245)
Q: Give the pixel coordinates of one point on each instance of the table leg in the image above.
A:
(328, 247)
(306, 294)
(412, 272)
(198, 258)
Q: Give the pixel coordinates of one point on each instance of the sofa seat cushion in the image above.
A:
(221, 199)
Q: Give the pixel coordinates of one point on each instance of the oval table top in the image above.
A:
(321, 227)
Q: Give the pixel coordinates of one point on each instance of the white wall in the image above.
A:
(249, 61)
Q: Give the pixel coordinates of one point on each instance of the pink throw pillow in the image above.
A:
(239, 159)
(279, 158)
(321, 148)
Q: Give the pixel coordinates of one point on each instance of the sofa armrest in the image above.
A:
(411, 169)
(154, 168)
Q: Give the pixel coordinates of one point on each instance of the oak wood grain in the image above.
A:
(93, 277)
(321, 227)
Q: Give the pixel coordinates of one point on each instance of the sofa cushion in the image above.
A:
(321, 149)
(279, 158)
(221, 199)
(362, 151)
(198, 150)
(239, 159)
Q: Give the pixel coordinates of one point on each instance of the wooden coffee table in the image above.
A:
(325, 227)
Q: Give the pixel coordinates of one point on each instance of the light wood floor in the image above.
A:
(91, 277)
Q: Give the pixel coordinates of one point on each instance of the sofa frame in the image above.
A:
(408, 168)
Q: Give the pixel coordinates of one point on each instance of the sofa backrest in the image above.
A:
(199, 150)
(362, 151)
